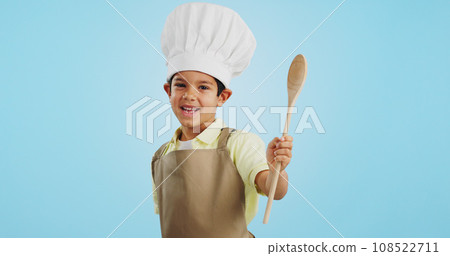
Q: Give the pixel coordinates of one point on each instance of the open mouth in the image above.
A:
(189, 110)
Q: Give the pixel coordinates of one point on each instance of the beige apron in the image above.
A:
(200, 192)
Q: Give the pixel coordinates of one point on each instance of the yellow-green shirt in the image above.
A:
(247, 152)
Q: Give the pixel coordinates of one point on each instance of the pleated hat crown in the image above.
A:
(208, 38)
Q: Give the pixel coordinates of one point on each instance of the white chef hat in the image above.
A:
(208, 38)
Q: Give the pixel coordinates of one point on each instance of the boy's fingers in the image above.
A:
(274, 143)
(287, 138)
(285, 144)
(284, 152)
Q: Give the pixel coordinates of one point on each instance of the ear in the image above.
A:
(224, 96)
(167, 89)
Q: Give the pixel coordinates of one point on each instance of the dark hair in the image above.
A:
(220, 86)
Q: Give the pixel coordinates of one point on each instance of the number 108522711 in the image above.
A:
(405, 247)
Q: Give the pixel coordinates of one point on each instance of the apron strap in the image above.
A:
(224, 135)
(158, 154)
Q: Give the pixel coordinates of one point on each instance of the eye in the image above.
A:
(203, 87)
(180, 85)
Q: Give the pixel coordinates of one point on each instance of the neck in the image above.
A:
(188, 133)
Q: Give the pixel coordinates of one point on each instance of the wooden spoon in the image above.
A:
(295, 82)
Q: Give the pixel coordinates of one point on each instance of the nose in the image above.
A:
(190, 93)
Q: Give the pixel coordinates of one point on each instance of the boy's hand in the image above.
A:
(279, 149)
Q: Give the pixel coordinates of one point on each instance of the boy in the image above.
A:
(208, 176)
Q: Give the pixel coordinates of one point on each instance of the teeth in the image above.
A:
(189, 109)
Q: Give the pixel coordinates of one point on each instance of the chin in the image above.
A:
(188, 122)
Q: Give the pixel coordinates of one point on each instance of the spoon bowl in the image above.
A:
(296, 78)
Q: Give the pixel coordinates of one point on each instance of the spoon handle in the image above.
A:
(273, 185)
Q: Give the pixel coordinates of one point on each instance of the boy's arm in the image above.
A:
(279, 149)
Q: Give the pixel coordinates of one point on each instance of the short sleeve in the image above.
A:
(248, 153)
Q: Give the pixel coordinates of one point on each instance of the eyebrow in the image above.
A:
(204, 82)
(179, 79)
(200, 82)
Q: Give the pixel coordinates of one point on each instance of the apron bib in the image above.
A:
(200, 192)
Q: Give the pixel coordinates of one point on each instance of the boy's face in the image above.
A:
(194, 100)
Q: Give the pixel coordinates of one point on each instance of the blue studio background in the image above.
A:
(377, 79)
